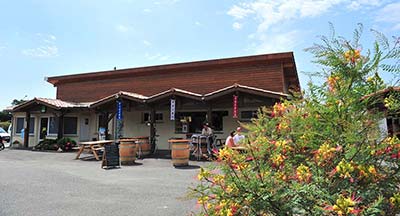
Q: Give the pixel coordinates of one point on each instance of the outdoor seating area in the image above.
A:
(198, 147)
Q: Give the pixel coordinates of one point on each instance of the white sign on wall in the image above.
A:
(172, 114)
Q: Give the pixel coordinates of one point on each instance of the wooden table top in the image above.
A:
(239, 148)
(96, 142)
(178, 140)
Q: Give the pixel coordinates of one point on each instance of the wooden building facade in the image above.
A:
(203, 91)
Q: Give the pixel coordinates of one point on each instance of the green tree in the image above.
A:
(318, 154)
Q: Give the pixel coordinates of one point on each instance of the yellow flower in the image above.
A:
(395, 200)
(202, 200)
(324, 153)
(219, 179)
(225, 153)
(303, 173)
(203, 174)
(344, 169)
(345, 205)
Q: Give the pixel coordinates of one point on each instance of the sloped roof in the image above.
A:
(59, 104)
(175, 91)
(121, 94)
(53, 103)
(382, 92)
(243, 88)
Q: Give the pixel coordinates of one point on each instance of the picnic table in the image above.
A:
(93, 146)
(240, 149)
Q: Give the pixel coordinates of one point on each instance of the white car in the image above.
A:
(4, 136)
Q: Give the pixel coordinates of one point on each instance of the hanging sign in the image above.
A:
(235, 106)
(172, 114)
(119, 110)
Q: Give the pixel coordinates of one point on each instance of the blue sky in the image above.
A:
(48, 38)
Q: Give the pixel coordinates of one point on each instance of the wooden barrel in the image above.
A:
(144, 145)
(180, 152)
(127, 151)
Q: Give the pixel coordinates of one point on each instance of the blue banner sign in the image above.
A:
(119, 110)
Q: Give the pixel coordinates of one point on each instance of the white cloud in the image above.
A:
(390, 13)
(271, 12)
(42, 51)
(147, 43)
(279, 42)
(198, 23)
(47, 46)
(147, 10)
(240, 12)
(122, 28)
(356, 5)
(267, 14)
(157, 57)
(237, 26)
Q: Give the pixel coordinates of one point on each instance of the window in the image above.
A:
(70, 125)
(393, 125)
(217, 120)
(189, 122)
(32, 126)
(21, 124)
(53, 125)
(248, 115)
(146, 117)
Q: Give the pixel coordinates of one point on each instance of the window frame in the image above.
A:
(158, 114)
(23, 125)
(77, 126)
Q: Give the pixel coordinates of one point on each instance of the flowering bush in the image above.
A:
(318, 154)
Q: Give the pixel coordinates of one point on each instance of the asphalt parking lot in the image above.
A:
(48, 183)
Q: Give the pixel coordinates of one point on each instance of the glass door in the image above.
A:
(43, 128)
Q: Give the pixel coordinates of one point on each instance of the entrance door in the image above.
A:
(84, 129)
(43, 128)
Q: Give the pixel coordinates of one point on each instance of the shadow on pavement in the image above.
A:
(190, 167)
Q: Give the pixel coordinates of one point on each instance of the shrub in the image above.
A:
(5, 125)
(47, 144)
(66, 144)
(319, 154)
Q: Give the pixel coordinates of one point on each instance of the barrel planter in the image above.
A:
(127, 151)
(144, 145)
(180, 152)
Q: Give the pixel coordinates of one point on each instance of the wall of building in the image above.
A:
(34, 138)
(202, 81)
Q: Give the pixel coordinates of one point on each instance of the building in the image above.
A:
(161, 102)
(390, 124)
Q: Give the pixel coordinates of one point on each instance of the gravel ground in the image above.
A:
(47, 183)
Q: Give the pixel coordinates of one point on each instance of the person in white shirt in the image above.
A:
(207, 131)
(238, 138)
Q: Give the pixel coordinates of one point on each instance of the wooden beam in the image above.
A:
(27, 128)
(152, 128)
(209, 114)
(60, 133)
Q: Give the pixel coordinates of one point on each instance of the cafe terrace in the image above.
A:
(159, 102)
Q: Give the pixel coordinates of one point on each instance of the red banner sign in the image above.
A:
(235, 106)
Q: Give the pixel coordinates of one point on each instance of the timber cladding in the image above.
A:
(202, 81)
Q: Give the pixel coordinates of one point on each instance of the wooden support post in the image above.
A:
(152, 128)
(209, 115)
(27, 128)
(60, 133)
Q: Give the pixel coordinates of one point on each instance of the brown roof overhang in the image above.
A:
(246, 89)
(286, 58)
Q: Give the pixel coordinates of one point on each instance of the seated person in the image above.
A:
(238, 138)
(229, 140)
(207, 131)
